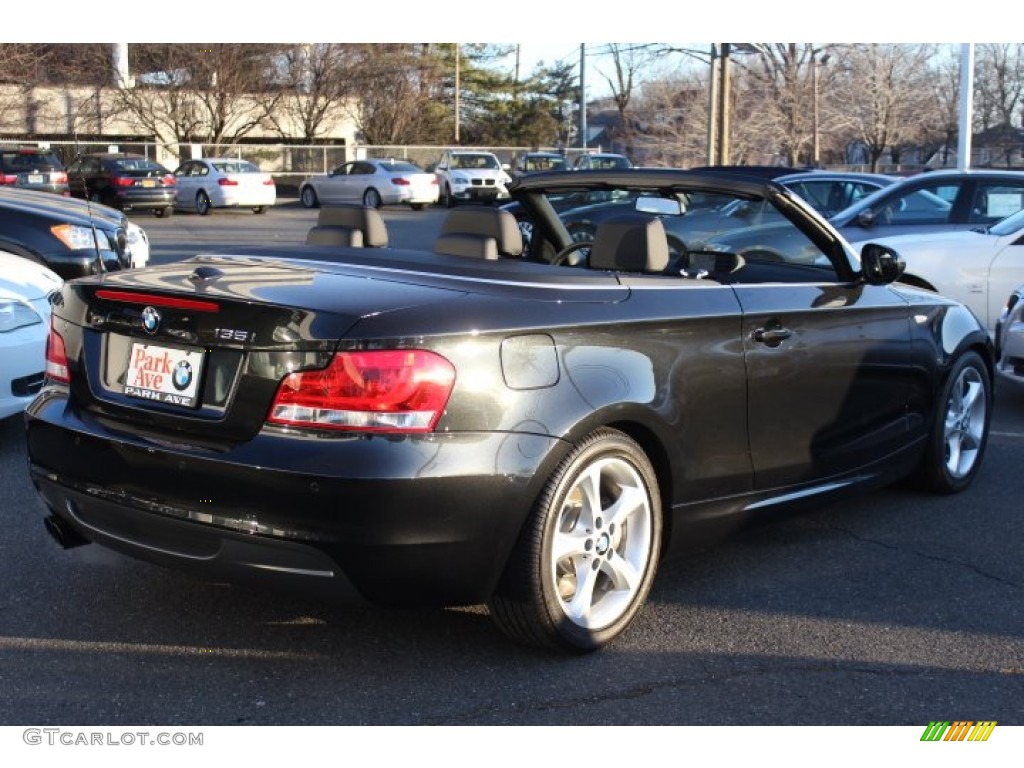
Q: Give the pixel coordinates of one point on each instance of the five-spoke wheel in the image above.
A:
(586, 561)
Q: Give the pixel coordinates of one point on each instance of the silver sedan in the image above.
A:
(373, 183)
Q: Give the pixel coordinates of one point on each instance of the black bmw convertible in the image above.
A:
(469, 423)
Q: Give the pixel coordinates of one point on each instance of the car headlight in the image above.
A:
(76, 237)
(135, 234)
(16, 314)
(463, 180)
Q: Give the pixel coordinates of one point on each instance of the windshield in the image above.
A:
(475, 161)
(237, 166)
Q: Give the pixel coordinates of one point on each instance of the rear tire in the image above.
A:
(164, 213)
(449, 199)
(371, 198)
(960, 429)
(586, 558)
(416, 206)
(258, 209)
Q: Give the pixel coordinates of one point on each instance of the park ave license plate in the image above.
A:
(164, 374)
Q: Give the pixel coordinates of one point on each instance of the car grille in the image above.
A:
(27, 386)
(483, 182)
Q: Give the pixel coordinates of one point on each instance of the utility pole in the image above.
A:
(583, 96)
(712, 105)
(963, 150)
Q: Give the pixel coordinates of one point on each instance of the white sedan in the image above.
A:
(372, 183)
(979, 268)
(25, 288)
(223, 182)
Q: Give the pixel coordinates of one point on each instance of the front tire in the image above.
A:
(203, 204)
(960, 429)
(308, 197)
(449, 198)
(586, 559)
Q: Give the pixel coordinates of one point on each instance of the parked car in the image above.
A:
(373, 183)
(460, 424)
(25, 288)
(600, 161)
(471, 176)
(71, 237)
(533, 162)
(136, 246)
(936, 201)
(123, 181)
(32, 168)
(979, 268)
(223, 182)
(1010, 337)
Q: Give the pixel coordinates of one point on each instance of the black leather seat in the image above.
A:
(354, 226)
(481, 233)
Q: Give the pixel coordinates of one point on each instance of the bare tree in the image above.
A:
(888, 96)
(401, 91)
(999, 94)
(319, 80)
(627, 61)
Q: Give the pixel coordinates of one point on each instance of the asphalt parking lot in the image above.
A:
(890, 608)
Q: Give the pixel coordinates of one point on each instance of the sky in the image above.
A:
(537, 22)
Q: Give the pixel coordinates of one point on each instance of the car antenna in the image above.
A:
(100, 267)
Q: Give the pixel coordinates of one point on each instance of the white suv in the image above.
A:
(470, 175)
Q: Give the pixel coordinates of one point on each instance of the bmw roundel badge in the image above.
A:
(182, 375)
(150, 319)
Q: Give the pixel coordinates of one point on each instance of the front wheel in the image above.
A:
(960, 428)
(203, 204)
(308, 197)
(449, 198)
(586, 559)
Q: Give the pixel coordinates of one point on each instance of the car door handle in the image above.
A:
(772, 336)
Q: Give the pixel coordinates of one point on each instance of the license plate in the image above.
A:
(164, 374)
(35, 178)
(148, 183)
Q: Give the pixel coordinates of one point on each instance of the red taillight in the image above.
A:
(226, 182)
(56, 357)
(8, 179)
(402, 182)
(268, 183)
(397, 390)
(169, 180)
(434, 181)
(59, 178)
(123, 181)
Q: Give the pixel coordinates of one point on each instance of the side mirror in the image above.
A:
(865, 218)
(880, 264)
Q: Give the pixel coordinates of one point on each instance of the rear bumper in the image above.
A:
(425, 520)
(144, 198)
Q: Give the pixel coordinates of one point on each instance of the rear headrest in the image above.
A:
(632, 243)
(334, 220)
(479, 222)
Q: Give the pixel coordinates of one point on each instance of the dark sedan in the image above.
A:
(124, 181)
(68, 236)
(462, 424)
